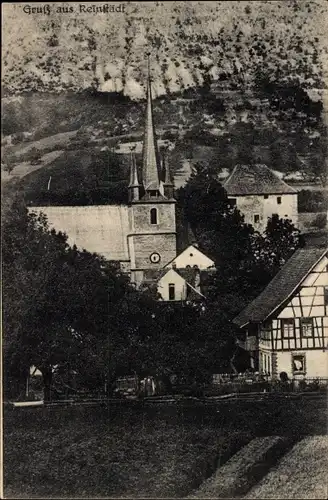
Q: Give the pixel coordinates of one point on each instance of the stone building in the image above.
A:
(259, 193)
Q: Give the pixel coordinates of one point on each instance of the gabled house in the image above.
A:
(259, 193)
(177, 285)
(191, 257)
(286, 326)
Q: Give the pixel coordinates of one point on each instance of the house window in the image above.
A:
(256, 218)
(153, 194)
(287, 328)
(306, 327)
(171, 291)
(266, 331)
(266, 196)
(153, 216)
(232, 202)
(298, 363)
(279, 200)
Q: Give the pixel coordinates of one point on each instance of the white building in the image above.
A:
(185, 278)
(287, 324)
(259, 193)
(191, 257)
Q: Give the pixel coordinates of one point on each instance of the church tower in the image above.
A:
(152, 238)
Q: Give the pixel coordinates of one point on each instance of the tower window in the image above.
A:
(279, 200)
(266, 196)
(171, 291)
(153, 216)
(256, 218)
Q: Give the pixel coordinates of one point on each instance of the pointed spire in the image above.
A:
(134, 181)
(168, 182)
(134, 184)
(150, 160)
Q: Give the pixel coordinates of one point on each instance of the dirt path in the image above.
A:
(302, 473)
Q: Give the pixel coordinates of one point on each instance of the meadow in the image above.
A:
(140, 451)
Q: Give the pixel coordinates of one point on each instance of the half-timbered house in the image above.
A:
(286, 326)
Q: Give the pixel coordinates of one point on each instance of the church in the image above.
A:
(142, 235)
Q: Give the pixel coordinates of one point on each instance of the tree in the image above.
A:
(245, 260)
(34, 156)
(279, 241)
(60, 305)
(219, 228)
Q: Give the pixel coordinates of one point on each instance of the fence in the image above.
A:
(127, 384)
(242, 383)
(224, 378)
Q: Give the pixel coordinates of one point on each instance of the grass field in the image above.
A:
(138, 452)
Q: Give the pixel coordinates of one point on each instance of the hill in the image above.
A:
(229, 42)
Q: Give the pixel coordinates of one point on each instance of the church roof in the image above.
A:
(101, 229)
(150, 157)
(255, 179)
(282, 287)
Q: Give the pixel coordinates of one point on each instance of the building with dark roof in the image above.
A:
(286, 326)
(258, 193)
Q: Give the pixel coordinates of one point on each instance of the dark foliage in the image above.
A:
(83, 178)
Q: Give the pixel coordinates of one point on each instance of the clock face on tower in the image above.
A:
(155, 258)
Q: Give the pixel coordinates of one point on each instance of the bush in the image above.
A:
(320, 221)
(311, 201)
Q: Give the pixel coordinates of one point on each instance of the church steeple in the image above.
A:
(168, 182)
(134, 184)
(150, 157)
(152, 239)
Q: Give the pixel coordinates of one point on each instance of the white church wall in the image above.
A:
(101, 229)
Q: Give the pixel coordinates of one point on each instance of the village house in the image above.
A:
(178, 284)
(259, 193)
(286, 326)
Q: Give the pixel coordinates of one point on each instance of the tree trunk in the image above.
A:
(166, 384)
(47, 380)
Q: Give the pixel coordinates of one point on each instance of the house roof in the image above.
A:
(153, 275)
(255, 179)
(190, 248)
(101, 229)
(282, 287)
